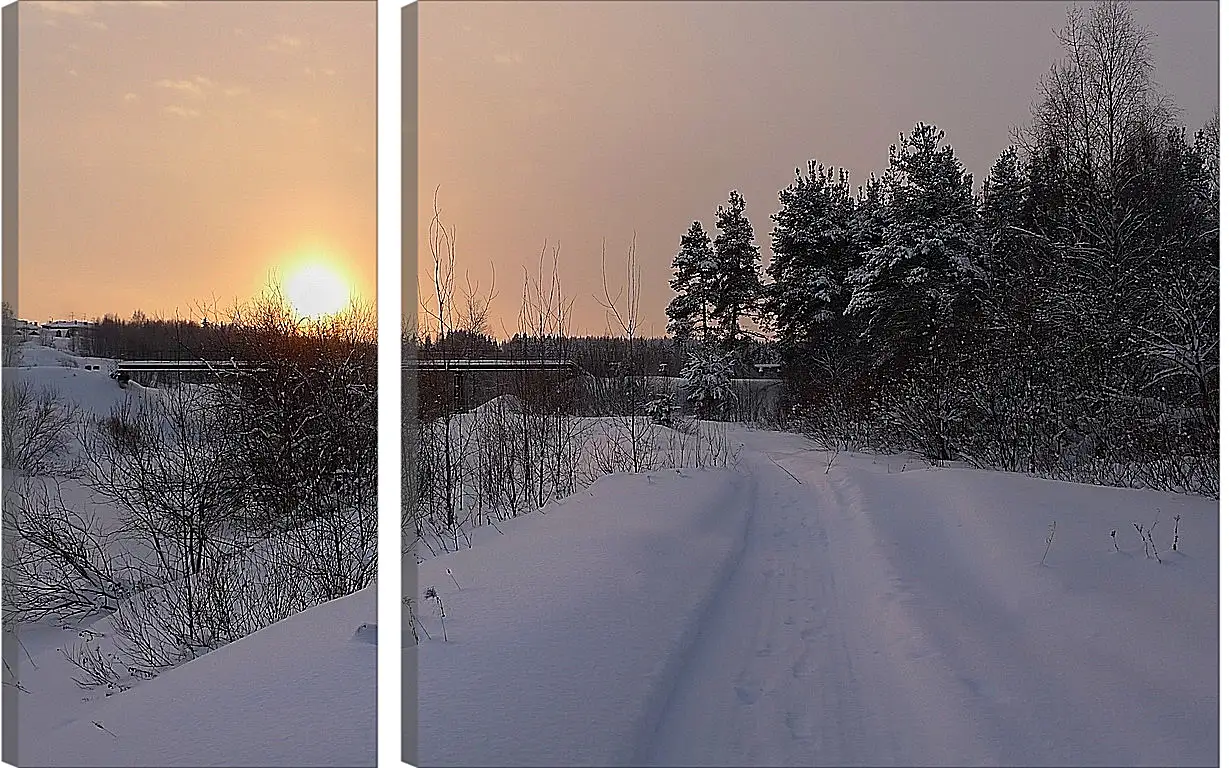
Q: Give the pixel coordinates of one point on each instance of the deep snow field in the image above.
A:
(298, 692)
(882, 612)
(301, 692)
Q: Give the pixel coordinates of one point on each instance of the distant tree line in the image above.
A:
(1060, 320)
(601, 356)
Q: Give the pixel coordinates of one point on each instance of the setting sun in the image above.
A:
(316, 289)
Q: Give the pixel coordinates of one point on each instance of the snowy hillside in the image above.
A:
(92, 390)
(301, 691)
(882, 612)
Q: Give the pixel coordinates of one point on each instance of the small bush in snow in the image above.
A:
(1139, 528)
(431, 593)
(661, 410)
(94, 669)
(415, 623)
(1145, 536)
(708, 381)
(1155, 553)
(37, 429)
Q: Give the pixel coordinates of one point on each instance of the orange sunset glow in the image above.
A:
(176, 155)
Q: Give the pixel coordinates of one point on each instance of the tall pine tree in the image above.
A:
(738, 287)
(695, 269)
(912, 289)
(813, 250)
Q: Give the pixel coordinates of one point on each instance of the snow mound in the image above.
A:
(31, 355)
(94, 391)
(299, 692)
(567, 633)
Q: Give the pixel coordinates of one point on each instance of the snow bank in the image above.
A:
(31, 354)
(299, 692)
(94, 391)
(500, 404)
(565, 635)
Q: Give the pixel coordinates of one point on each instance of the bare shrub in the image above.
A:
(95, 669)
(62, 564)
(629, 446)
(38, 427)
(180, 485)
(711, 446)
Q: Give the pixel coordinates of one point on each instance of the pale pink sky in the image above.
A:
(574, 122)
(176, 152)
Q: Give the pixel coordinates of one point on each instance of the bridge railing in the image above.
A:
(491, 365)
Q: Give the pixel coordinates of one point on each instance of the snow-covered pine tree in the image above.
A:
(812, 251)
(1004, 373)
(869, 215)
(912, 290)
(709, 382)
(690, 311)
(1207, 148)
(1012, 292)
(739, 287)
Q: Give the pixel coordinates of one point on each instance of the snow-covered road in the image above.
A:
(905, 619)
(863, 615)
(770, 679)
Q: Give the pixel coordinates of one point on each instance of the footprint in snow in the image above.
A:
(366, 633)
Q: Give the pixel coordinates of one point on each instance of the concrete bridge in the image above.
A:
(473, 382)
(151, 372)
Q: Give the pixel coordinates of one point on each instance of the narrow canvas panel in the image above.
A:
(189, 463)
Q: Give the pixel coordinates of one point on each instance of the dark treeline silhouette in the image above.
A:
(144, 338)
(1061, 320)
(600, 356)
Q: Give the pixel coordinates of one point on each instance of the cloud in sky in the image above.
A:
(63, 8)
(180, 111)
(199, 87)
(83, 8)
(186, 86)
(285, 43)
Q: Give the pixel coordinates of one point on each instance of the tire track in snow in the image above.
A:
(676, 662)
(918, 714)
(768, 679)
(808, 656)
